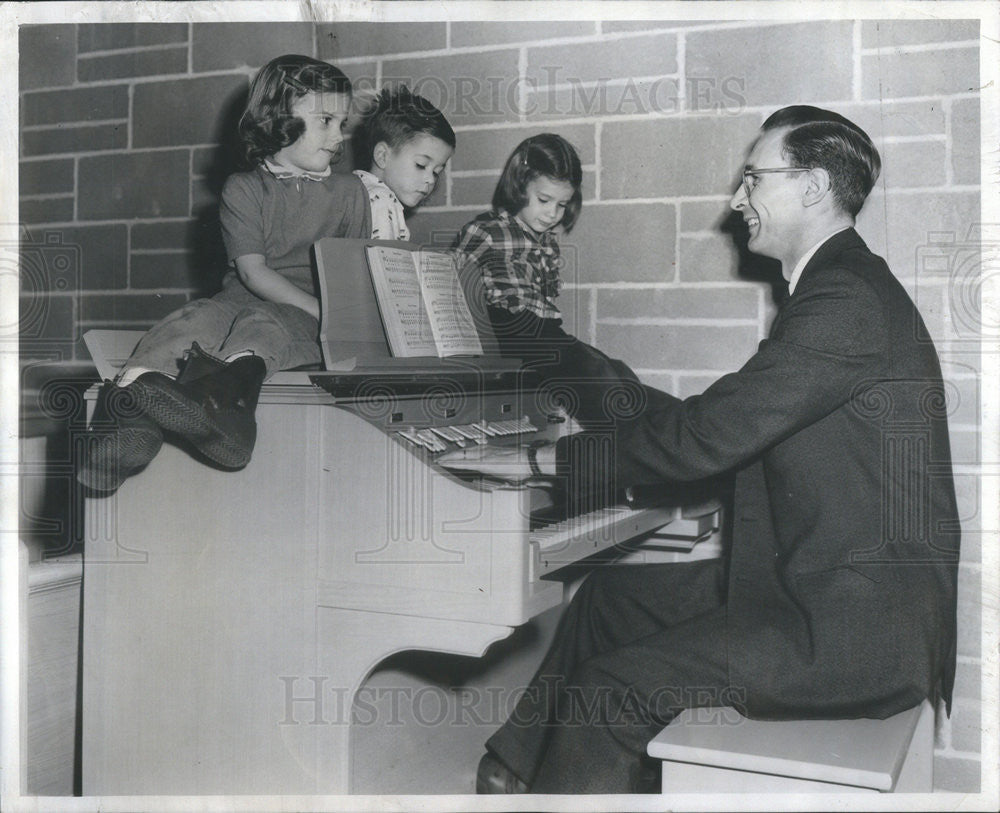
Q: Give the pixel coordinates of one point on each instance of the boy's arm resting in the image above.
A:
(270, 285)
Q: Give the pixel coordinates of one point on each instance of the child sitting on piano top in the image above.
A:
(406, 142)
(266, 318)
(511, 263)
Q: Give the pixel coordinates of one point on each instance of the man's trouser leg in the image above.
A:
(636, 645)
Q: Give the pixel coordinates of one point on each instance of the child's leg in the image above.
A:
(212, 402)
(282, 335)
(605, 390)
(206, 321)
(123, 436)
(593, 388)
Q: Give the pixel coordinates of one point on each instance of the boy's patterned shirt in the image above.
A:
(520, 269)
(388, 222)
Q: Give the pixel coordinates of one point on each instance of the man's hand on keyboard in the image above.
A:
(501, 462)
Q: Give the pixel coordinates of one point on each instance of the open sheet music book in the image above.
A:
(421, 302)
(399, 304)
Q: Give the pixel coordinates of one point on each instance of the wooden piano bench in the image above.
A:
(718, 751)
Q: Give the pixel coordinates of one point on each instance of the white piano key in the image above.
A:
(562, 543)
(431, 441)
(469, 432)
(449, 433)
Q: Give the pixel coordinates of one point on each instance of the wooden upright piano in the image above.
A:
(229, 618)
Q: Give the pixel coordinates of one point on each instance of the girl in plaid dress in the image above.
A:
(511, 265)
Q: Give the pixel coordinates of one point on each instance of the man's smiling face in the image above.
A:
(772, 206)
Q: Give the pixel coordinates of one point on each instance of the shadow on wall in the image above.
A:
(753, 267)
(204, 238)
(53, 413)
(52, 407)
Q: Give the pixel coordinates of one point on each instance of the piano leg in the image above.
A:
(350, 645)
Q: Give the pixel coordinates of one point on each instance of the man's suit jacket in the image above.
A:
(843, 566)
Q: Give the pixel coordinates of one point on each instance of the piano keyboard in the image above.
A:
(561, 543)
(436, 438)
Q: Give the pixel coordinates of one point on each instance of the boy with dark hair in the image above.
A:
(405, 142)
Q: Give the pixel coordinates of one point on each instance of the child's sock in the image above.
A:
(239, 355)
(129, 374)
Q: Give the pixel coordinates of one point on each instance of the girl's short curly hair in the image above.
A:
(268, 124)
(548, 155)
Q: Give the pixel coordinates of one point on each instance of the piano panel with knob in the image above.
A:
(414, 538)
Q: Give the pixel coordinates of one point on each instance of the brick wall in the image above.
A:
(122, 152)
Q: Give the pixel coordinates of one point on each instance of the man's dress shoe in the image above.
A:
(495, 777)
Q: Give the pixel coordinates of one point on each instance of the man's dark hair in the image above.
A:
(268, 125)
(548, 155)
(822, 138)
(396, 117)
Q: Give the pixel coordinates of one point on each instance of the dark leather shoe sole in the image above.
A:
(175, 411)
(114, 456)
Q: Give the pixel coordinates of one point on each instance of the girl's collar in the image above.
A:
(282, 171)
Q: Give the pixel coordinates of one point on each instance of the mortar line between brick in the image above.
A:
(681, 70)
(73, 125)
(590, 84)
(133, 49)
(144, 79)
(43, 196)
(920, 48)
(76, 188)
(588, 39)
(522, 80)
(598, 163)
(130, 95)
(949, 134)
(914, 139)
(676, 276)
(856, 62)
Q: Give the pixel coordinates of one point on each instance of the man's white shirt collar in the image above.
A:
(805, 258)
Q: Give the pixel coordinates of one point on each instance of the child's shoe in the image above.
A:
(120, 440)
(211, 404)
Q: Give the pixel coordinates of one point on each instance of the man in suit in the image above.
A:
(838, 597)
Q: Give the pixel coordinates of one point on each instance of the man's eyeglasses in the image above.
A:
(750, 175)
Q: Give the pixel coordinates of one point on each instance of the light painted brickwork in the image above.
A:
(121, 127)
